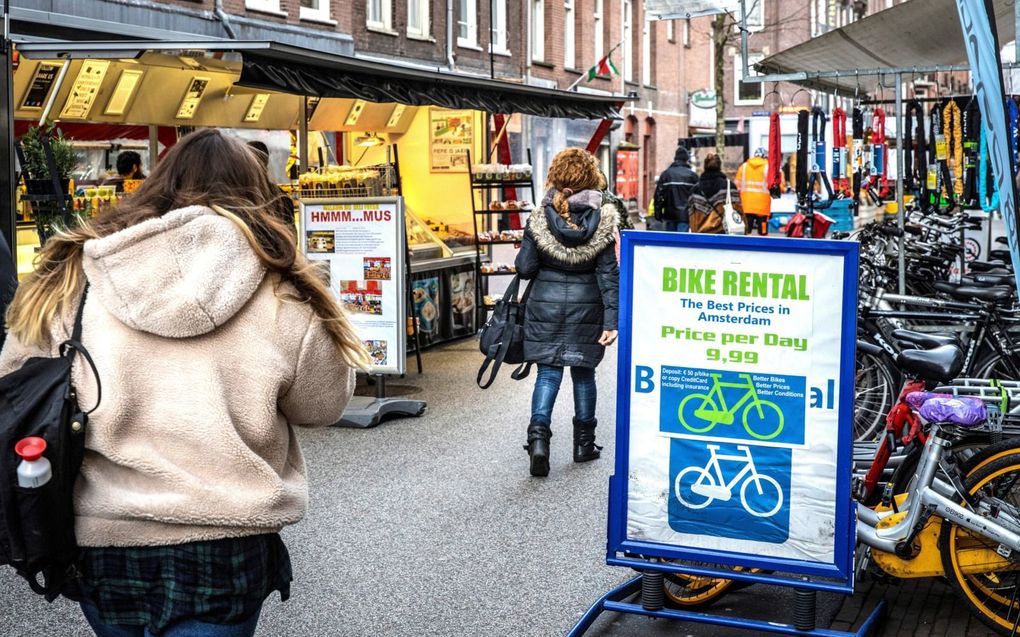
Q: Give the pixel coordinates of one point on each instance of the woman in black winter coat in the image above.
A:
(713, 180)
(570, 318)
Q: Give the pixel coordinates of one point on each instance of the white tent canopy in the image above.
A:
(919, 34)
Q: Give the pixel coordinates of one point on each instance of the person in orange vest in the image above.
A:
(754, 192)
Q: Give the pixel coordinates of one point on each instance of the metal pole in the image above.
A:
(53, 92)
(303, 137)
(900, 211)
(743, 36)
(1016, 22)
(8, 188)
(153, 147)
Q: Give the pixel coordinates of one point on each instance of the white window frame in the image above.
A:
(266, 6)
(646, 53)
(424, 28)
(537, 14)
(317, 14)
(385, 21)
(498, 37)
(569, 35)
(628, 40)
(600, 33)
(685, 33)
(467, 23)
(755, 15)
(738, 75)
(670, 31)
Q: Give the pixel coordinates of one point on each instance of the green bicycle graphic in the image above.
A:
(702, 412)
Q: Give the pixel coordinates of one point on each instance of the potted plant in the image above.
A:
(39, 181)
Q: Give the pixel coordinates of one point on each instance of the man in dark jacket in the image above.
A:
(672, 191)
(8, 282)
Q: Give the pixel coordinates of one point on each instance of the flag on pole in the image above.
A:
(604, 66)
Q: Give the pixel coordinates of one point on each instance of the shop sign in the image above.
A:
(734, 424)
(451, 136)
(702, 109)
(85, 89)
(39, 89)
(362, 243)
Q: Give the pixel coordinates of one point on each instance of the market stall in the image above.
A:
(357, 129)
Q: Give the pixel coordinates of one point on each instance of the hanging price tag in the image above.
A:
(941, 148)
(933, 177)
(858, 156)
(816, 167)
(877, 159)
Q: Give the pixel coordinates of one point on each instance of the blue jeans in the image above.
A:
(186, 628)
(547, 386)
(683, 226)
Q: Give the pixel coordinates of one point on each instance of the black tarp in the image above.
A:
(386, 83)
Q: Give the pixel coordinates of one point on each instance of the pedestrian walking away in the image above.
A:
(752, 181)
(568, 254)
(213, 337)
(672, 192)
(713, 180)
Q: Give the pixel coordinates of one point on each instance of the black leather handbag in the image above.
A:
(37, 524)
(502, 338)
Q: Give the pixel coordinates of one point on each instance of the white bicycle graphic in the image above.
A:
(701, 481)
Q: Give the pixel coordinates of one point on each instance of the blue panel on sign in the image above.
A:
(730, 490)
(733, 405)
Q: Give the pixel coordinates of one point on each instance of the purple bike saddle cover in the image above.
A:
(964, 411)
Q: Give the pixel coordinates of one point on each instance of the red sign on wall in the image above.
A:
(627, 174)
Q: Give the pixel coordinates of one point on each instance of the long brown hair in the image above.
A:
(572, 170)
(204, 168)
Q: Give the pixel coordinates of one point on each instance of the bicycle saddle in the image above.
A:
(970, 292)
(925, 340)
(941, 364)
(963, 411)
(988, 279)
(1002, 255)
(988, 267)
(1003, 240)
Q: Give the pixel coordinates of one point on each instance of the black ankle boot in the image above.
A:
(585, 448)
(538, 448)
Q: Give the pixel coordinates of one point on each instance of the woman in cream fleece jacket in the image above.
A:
(213, 339)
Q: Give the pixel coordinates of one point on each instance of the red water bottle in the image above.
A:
(34, 470)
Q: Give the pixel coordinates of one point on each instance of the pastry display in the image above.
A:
(496, 235)
(501, 172)
(497, 268)
(347, 181)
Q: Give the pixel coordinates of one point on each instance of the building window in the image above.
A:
(686, 34)
(467, 23)
(599, 32)
(272, 6)
(751, 93)
(315, 10)
(498, 41)
(670, 31)
(628, 40)
(418, 18)
(569, 21)
(380, 14)
(755, 15)
(538, 30)
(646, 53)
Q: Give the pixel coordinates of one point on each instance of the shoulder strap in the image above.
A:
(76, 331)
(504, 347)
(74, 346)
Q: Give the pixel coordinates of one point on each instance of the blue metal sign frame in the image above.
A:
(623, 551)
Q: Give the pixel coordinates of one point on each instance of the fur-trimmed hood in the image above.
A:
(554, 238)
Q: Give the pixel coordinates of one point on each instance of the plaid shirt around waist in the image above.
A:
(217, 581)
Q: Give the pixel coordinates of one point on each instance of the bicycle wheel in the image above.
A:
(763, 420)
(693, 591)
(768, 492)
(985, 581)
(993, 366)
(682, 487)
(874, 394)
(693, 403)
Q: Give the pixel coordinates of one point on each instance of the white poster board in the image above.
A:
(362, 240)
(736, 387)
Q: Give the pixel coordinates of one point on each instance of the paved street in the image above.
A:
(433, 527)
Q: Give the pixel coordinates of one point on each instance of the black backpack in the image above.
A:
(37, 525)
(502, 338)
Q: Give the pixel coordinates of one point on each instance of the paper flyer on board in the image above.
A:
(734, 408)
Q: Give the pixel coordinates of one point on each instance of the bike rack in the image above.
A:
(803, 621)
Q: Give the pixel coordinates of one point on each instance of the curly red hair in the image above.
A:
(572, 170)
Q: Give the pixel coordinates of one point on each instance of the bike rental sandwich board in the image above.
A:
(734, 417)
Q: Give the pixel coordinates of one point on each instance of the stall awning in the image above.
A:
(295, 70)
(915, 34)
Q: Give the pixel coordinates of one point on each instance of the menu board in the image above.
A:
(361, 244)
(85, 89)
(451, 134)
(39, 89)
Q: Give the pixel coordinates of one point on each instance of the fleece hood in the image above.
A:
(180, 275)
(757, 162)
